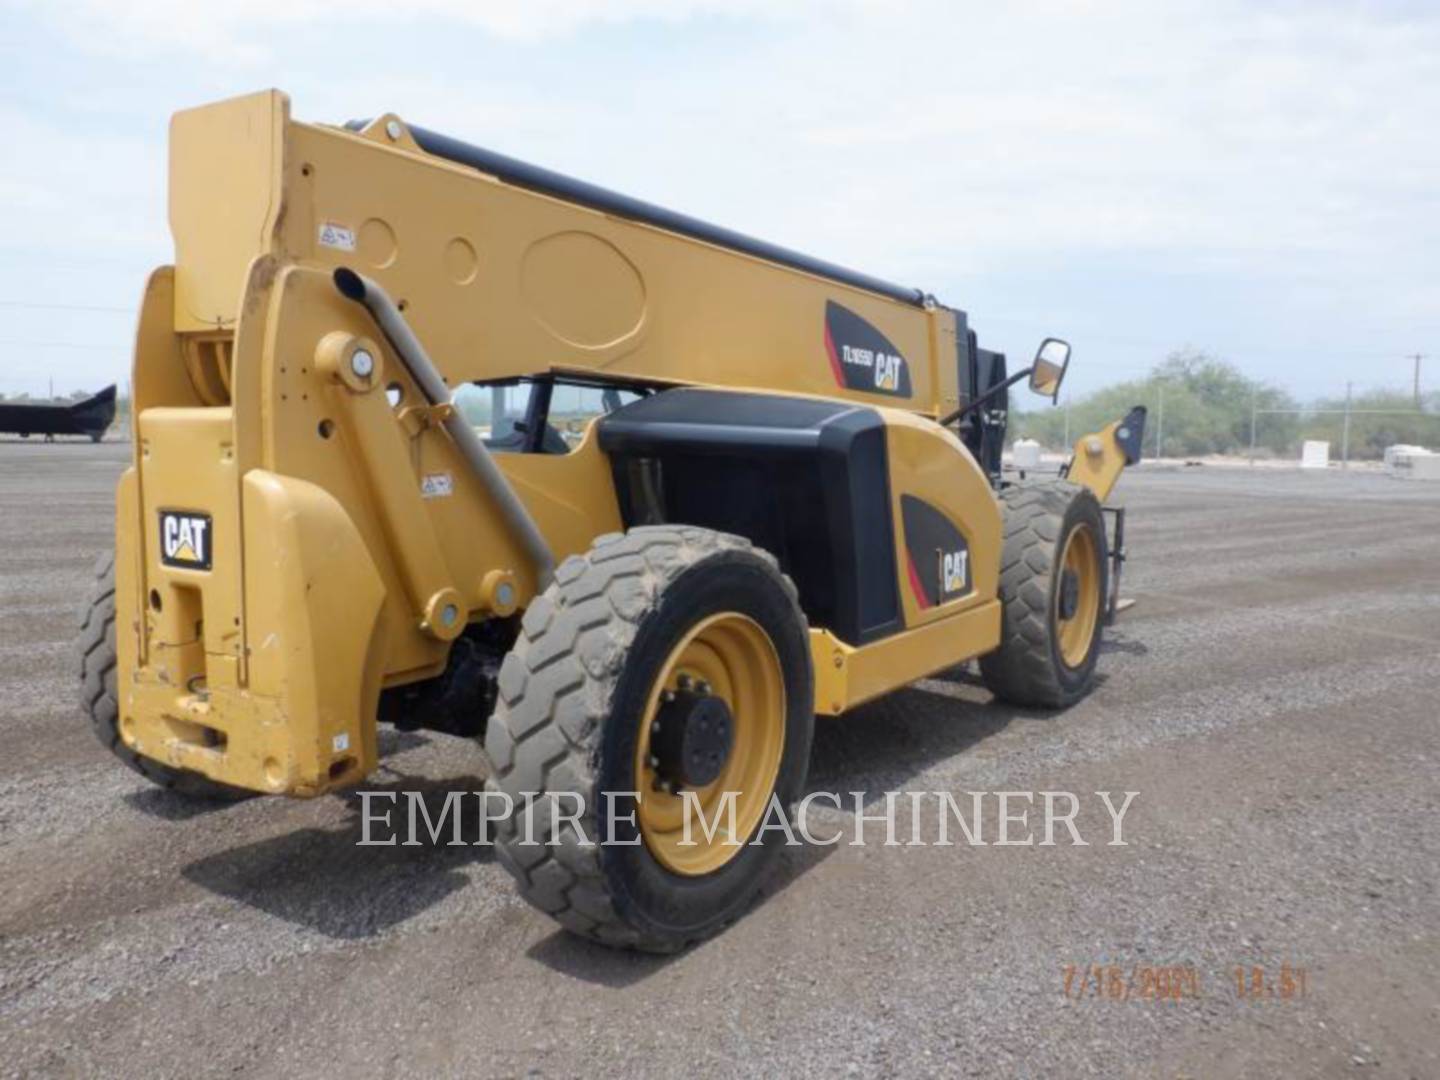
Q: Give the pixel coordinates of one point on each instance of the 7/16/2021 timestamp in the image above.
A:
(1179, 982)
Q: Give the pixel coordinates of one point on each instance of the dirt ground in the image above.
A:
(1272, 697)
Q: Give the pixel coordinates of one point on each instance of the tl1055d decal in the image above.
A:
(861, 357)
(936, 554)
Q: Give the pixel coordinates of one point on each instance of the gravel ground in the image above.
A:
(1271, 697)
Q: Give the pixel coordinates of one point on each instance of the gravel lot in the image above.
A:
(1272, 697)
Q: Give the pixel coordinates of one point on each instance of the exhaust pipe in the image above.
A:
(422, 370)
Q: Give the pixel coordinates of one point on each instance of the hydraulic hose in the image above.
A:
(363, 290)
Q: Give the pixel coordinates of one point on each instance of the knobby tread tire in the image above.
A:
(100, 700)
(1026, 669)
(555, 693)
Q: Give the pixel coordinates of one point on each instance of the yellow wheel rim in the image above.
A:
(734, 658)
(1081, 559)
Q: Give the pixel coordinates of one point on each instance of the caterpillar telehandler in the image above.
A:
(431, 437)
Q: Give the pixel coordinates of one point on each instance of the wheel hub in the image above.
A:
(1069, 594)
(691, 738)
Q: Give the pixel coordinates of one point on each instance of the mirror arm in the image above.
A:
(994, 391)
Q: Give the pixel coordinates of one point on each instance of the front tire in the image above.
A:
(1053, 584)
(654, 628)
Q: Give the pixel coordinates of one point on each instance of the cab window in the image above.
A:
(535, 416)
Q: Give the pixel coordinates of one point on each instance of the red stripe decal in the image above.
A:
(915, 585)
(834, 360)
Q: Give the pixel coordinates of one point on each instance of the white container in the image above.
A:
(1396, 456)
(1402, 458)
(1425, 467)
(1025, 454)
(1315, 454)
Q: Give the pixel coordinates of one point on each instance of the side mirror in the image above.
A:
(1051, 360)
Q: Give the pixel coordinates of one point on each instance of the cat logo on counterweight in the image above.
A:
(185, 540)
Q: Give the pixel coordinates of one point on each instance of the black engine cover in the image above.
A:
(806, 479)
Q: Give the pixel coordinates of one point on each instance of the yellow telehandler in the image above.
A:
(428, 436)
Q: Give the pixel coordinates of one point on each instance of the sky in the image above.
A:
(1256, 179)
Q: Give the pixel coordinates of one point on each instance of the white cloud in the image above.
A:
(81, 197)
(242, 29)
(1123, 126)
(1285, 145)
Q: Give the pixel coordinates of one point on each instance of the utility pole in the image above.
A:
(1160, 424)
(1345, 433)
(1252, 426)
(1067, 424)
(1417, 357)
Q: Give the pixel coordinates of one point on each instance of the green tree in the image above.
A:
(1379, 419)
(1207, 406)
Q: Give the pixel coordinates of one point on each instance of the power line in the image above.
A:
(89, 264)
(1222, 351)
(64, 345)
(1303, 411)
(63, 307)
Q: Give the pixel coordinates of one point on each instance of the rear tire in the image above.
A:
(1045, 659)
(101, 702)
(577, 703)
